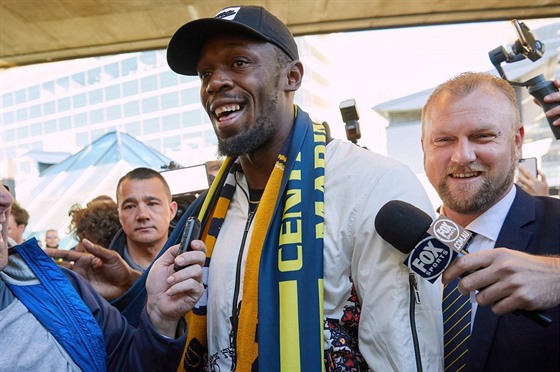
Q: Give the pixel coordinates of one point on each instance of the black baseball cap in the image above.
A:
(184, 47)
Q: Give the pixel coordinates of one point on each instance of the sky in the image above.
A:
(380, 65)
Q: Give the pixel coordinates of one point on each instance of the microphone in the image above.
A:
(430, 247)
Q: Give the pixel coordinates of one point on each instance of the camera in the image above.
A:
(526, 46)
(350, 118)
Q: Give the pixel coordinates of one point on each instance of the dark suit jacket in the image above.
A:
(515, 343)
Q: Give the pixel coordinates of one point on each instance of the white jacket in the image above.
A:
(358, 183)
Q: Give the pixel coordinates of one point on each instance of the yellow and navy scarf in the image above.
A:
(283, 279)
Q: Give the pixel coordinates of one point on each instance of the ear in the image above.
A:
(294, 76)
(173, 209)
(519, 135)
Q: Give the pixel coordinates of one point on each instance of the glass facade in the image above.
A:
(81, 100)
(136, 93)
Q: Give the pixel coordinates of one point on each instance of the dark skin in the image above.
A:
(104, 269)
(237, 70)
(234, 70)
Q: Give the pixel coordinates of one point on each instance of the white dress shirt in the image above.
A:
(487, 227)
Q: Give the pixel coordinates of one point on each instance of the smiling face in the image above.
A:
(471, 146)
(6, 201)
(242, 92)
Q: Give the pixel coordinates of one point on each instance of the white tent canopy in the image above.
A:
(93, 171)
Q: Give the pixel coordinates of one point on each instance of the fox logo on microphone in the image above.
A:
(430, 258)
(450, 233)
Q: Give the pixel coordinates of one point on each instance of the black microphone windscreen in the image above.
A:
(402, 224)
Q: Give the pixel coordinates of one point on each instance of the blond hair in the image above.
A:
(465, 83)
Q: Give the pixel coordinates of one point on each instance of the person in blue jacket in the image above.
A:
(51, 319)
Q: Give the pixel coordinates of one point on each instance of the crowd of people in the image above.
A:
(289, 272)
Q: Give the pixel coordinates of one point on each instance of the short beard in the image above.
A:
(480, 200)
(252, 138)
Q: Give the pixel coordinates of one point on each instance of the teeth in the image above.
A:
(465, 175)
(229, 108)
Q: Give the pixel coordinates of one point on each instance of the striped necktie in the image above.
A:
(456, 327)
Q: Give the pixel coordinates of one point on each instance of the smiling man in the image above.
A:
(471, 138)
(297, 277)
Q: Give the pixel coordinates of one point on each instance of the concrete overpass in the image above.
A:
(36, 31)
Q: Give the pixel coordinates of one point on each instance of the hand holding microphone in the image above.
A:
(432, 247)
(509, 279)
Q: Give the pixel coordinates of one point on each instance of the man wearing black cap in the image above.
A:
(296, 276)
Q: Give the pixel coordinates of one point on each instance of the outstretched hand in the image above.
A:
(508, 280)
(104, 269)
(172, 294)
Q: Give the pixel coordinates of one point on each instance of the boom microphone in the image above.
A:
(430, 247)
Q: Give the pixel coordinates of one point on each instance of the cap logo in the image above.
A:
(228, 13)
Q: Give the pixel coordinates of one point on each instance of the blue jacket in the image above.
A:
(514, 343)
(93, 333)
